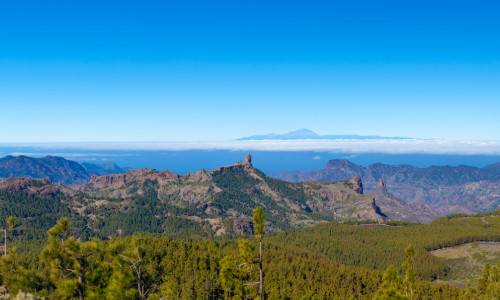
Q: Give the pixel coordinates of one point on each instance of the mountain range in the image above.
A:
(214, 202)
(339, 191)
(55, 168)
(444, 189)
(306, 134)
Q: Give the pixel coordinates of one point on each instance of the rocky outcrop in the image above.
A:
(248, 159)
(242, 225)
(357, 184)
(106, 181)
(395, 209)
(381, 183)
(39, 187)
(378, 211)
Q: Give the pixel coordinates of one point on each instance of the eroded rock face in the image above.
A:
(114, 180)
(243, 225)
(166, 176)
(357, 184)
(200, 176)
(248, 159)
(381, 183)
(397, 209)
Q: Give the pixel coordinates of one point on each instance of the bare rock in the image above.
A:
(357, 184)
(113, 180)
(381, 183)
(242, 225)
(248, 159)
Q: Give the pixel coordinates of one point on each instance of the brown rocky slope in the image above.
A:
(233, 191)
(445, 189)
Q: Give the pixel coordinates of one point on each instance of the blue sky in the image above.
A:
(73, 71)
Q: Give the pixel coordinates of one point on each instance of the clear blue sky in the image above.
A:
(219, 70)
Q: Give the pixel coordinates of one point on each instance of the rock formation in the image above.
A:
(248, 159)
(357, 184)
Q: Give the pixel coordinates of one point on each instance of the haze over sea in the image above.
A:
(187, 161)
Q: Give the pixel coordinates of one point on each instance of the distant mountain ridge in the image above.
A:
(57, 169)
(309, 134)
(445, 189)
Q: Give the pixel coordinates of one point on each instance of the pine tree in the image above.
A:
(67, 261)
(469, 293)
(408, 265)
(228, 276)
(258, 221)
(482, 283)
(11, 223)
(391, 287)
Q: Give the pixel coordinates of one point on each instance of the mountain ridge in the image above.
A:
(57, 169)
(216, 202)
(446, 189)
(233, 191)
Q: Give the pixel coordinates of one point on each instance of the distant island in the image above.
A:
(306, 134)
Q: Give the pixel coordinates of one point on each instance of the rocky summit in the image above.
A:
(231, 192)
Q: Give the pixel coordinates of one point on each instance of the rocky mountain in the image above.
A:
(36, 187)
(396, 209)
(233, 191)
(57, 169)
(444, 189)
(206, 202)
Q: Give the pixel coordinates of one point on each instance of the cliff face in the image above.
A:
(443, 189)
(395, 209)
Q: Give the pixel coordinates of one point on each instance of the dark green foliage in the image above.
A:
(176, 269)
(183, 269)
(286, 190)
(35, 215)
(240, 193)
(378, 247)
(326, 261)
(234, 178)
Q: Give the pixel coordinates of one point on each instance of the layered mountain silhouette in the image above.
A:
(444, 189)
(210, 199)
(342, 190)
(57, 169)
(305, 134)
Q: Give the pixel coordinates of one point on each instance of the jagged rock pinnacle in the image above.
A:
(381, 183)
(357, 184)
(248, 159)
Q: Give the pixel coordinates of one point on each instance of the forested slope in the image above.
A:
(183, 269)
(380, 246)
